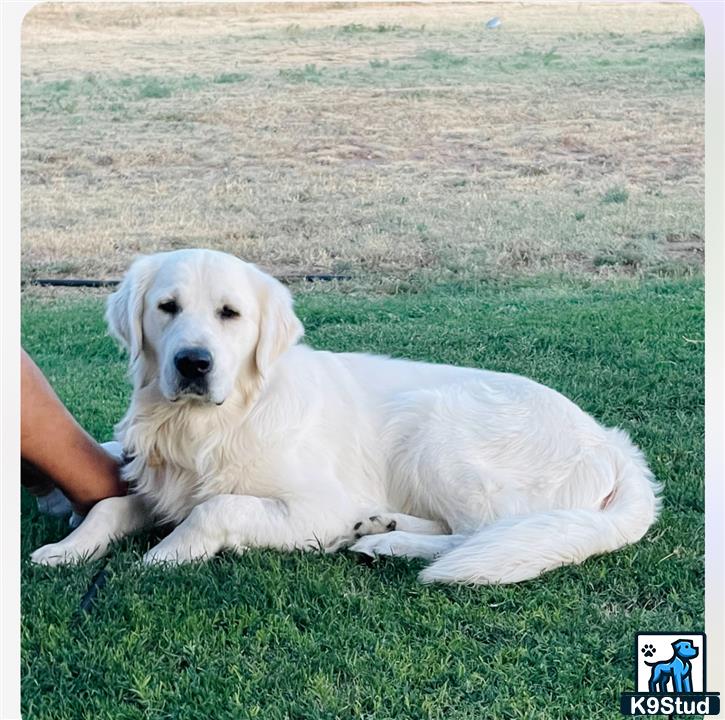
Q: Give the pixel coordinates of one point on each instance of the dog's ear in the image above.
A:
(124, 308)
(279, 327)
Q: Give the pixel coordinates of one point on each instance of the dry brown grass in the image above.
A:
(399, 139)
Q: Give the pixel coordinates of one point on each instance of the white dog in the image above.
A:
(243, 438)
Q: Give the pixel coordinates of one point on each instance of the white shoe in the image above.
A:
(114, 449)
(55, 503)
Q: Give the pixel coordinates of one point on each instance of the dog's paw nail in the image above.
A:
(357, 525)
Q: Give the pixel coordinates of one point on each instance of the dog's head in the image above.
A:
(201, 323)
(684, 649)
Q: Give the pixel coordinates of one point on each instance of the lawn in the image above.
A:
(272, 636)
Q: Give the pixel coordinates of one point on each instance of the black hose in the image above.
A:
(83, 282)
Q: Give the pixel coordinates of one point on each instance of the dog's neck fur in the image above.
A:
(178, 452)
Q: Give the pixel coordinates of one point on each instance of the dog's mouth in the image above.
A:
(190, 391)
(195, 394)
(194, 389)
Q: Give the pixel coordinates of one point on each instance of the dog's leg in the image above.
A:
(385, 523)
(406, 544)
(237, 522)
(108, 520)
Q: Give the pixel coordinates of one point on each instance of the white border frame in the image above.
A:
(712, 13)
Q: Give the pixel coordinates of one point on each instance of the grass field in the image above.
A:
(273, 636)
(379, 141)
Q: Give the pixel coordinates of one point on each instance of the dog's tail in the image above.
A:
(521, 548)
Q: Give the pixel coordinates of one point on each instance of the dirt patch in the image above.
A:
(688, 246)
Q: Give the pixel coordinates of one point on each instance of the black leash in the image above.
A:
(98, 582)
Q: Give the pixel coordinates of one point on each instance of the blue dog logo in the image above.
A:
(673, 687)
(677, 669)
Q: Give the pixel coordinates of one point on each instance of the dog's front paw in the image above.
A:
(171, 553)
(373, 545)
(57, 554)
(373, 525)
(159, 556)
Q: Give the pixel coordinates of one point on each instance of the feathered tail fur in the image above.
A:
(521, 548)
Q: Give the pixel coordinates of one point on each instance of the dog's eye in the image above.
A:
(228, 313)
(170, 307)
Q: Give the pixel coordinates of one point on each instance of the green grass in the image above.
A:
(96, 94)
(310, 73)
(616, 195)
(358, 28)
(230, 77)
(270, 635)
(154, 88)
(442, 59)
(675, 61)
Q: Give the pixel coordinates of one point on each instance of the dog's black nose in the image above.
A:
(193, 363)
